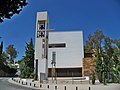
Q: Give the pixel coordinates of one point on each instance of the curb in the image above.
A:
(37, 85)
(23, 84)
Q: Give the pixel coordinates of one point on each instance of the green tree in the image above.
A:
(27, 63)
(10, 7)
(4, 58)
(116, 65)
(22, 68)
(107, 56)
(3, 63)
(1, 51)
(95, 42)
(116, 73)
(89, 43)
(1, 48)
(12, 52)
(29, 52)
(93, 78)
(99, 67)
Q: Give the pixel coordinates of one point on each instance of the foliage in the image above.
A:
(29, 51)
(93, 78)
(3, 63)
(27, 63)
(116, 73)
(11, 51)
(4, 58)
(99, 65)
(26, 72)
(116, 62)
(95, 42)
(1, 48)
(10, 7)
(107, 56)
(104, 78)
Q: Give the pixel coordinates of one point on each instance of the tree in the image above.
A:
(11, 51)
(89, 43)
(116, 62)
(95, 42)
(29, 51)
(3, 63)
(10, 7)
(1, 51)
(22, 68)
(4, 58)
(93, 78)
(27, 63)
(1, 48)
(107, 56)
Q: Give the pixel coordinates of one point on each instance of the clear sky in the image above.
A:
(85, 15)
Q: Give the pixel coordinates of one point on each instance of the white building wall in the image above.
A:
(71, 56)
(41, 16)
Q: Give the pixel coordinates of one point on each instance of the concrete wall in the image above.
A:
(69, 57)
(41, 17)
(72, 54)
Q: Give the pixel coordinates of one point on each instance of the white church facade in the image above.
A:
(58, 52)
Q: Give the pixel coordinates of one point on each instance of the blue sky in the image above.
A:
(85, 15)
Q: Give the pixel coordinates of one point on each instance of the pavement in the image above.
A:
(24, 83)
(5, 85)
(63, 86)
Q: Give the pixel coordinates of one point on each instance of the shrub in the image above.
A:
(93, 78)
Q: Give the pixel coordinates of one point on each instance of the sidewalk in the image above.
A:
(55, 86)
(24, 83)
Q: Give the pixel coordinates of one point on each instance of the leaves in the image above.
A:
(27, 63)
(107, 55)
(10, 7)
(3, 63)
(11, 51)
(94, 41)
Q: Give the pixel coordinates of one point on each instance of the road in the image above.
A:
(5, 85)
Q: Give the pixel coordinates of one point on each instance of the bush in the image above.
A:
(93, 78)
(104, 78)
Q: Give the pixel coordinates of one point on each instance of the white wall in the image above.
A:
(72, 55)
(41, 16)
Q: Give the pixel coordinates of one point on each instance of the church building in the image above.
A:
(57, 53)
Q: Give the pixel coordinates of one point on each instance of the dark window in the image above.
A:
(42, 26)
(40, 34)
(59, 45)
(66, 72)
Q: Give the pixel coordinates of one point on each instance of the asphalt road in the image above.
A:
(5, 85)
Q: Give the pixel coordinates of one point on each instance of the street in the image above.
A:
(5, 85)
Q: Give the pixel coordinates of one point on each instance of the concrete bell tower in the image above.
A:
(41, 47)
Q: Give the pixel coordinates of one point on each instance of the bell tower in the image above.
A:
(41, 47)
